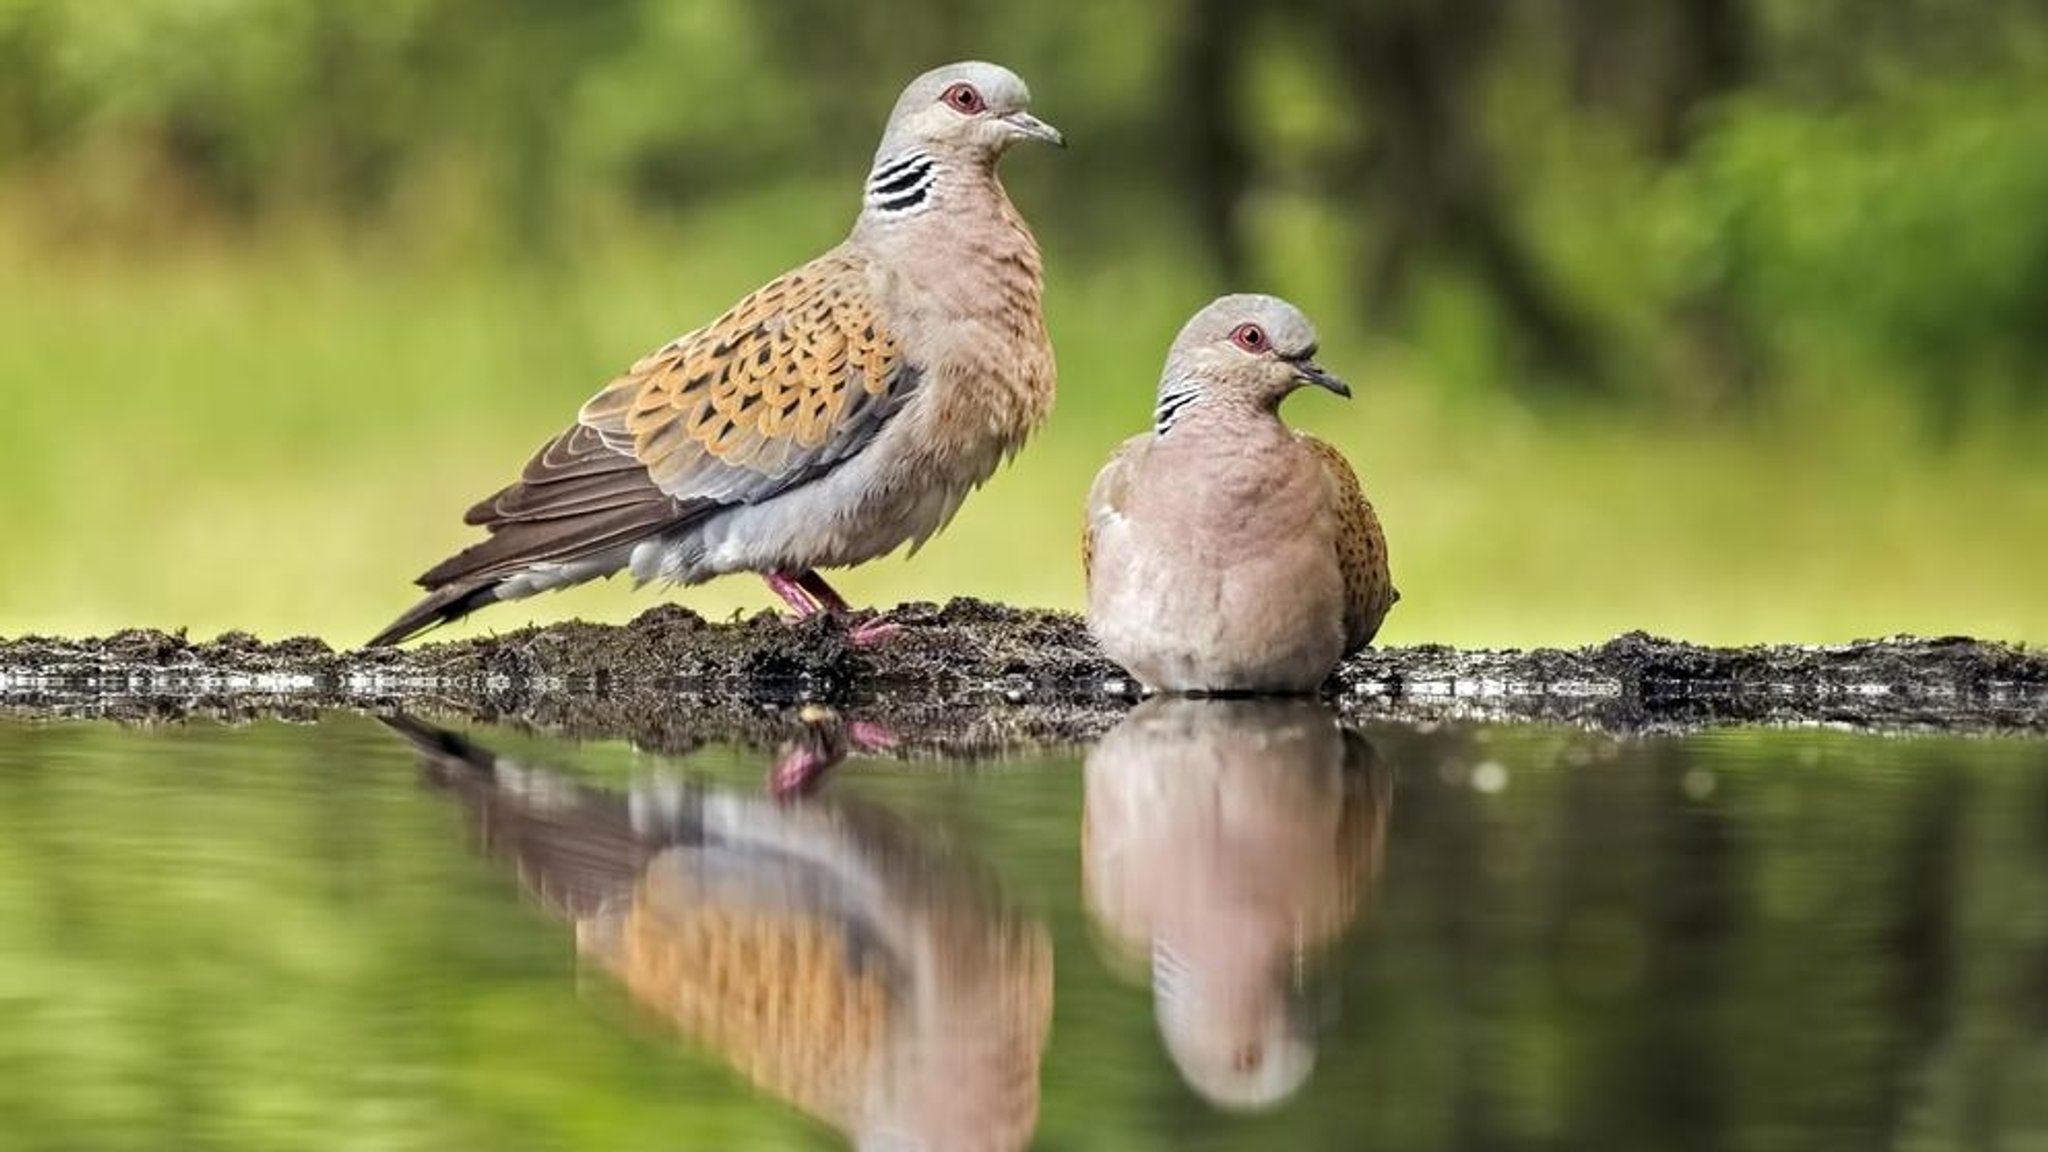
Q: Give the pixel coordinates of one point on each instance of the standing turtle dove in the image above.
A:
(839, 412)
(831, 952)
(1224, 551)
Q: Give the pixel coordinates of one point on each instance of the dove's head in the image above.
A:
(1244, 349)
(1234, 1032)
(971, 110)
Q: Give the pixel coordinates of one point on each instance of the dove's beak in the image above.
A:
(1307, 371)
(1029, 127)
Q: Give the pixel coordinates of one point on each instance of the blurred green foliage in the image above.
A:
(1748, 298)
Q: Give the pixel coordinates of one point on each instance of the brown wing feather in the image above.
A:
(794, 379)
(1361, 548)
(770, 990)
(578, 854)
(576, 498)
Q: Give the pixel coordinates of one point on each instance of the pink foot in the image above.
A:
(869, 633)
(865, 634)
(822, 742)
(869, 736)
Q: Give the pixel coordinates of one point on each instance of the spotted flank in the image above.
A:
(1369, 593)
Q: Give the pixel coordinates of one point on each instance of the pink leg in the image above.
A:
(865, 634)
(819, 746)
(827, 596)
(793, 593)
(800, 768)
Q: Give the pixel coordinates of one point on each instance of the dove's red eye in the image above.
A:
(1249, 337)
(964, 98)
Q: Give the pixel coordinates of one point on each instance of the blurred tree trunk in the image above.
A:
(1923, 927)
(1717, 58)
(1414, 70)
(1657, 66)
(1680, 1050)
(856, 57)
(1710, 45)
(1202, 115)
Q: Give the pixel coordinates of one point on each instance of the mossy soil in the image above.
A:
(970, 677)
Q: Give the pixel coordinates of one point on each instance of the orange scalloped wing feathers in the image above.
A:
(1361, 548)
(795, 378)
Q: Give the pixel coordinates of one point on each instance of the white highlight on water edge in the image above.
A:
(1489, 777)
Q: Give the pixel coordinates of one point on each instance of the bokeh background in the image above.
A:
(1720, 318)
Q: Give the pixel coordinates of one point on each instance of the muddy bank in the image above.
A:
(971, 677)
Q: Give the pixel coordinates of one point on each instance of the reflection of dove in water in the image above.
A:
(1221, 841)
(825, 951)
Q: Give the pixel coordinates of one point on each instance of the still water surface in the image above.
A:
(1225, 926)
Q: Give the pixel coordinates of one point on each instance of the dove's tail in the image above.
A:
(444, 604)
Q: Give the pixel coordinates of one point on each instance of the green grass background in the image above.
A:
(278, 436)
(285, 286)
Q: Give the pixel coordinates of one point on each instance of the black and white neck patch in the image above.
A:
(902, 184)
(1172, 400)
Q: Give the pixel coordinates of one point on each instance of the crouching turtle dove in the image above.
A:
(1226, 846)
(837, 413)
(1224, 551)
